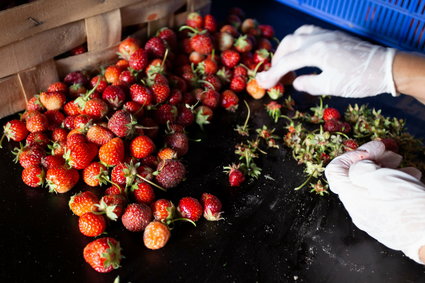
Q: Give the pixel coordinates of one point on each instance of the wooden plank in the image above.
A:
(86, 61)
(103, 30)
(153, 26)
(147, 12)
(38, 78)
(26, 20)
(32, 51)
(12, 98)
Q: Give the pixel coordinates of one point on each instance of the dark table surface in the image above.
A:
(270, 232)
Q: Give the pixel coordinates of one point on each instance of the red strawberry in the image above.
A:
(37, 122)
(195, 20)
(33, 176)
(114, 96)
(61, 180)
(210, 24)
(239, 70)
(112, 205)
(103, 254)
(201, 43)
(127, 47)
(212, 82)
(91, 225)
(345, 127)
(115, 190)
(185, 116)
(264, 43)
(212, 207)
(82, 123)
(229, 100)
(127, 78)
(29, 155)
(176, 97)
(72, 108)
(77, 90)
(76, 78)
(169, 36)
(99, 135)
(261, 55)
(95, 174)
(236, 177)
(155, 47)
(156, 235)
(141, 146)
(59, 134)
(112, 74)
(80, 155)
(163, 210)
(276, 92)
(122, 64)
(141, 94)
(161, 92)
(203, 115)
(179, 142)
(83, 202)
(210, 98)
(332, 126)
(15, 130)
(167, 153)
(99, 82)
(37, 138)
(35, 104)
(58, 86)
(238, 84)
(266, 30)
(330, 113)
(136, 217)
(112, 152)
(243, 44)
(96, 108)
(52, 161)
(166, 113)
(78, 50)
(122, 123)
(143, 193)
(207, 67)
(55, 118)
(230, 58)
(75, 138)
(350, 145)
(170, 173)
(390, 144)
(139, 60)
(52, 100)
(190, 208)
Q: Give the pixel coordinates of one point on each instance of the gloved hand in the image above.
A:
(350, 67)
(387, 203)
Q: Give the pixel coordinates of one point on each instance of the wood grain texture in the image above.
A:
(12, 98)
(103, 30)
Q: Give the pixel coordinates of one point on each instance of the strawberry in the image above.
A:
(254, 89)
(115, 190)
(76, 90)
(136, 217)
(203, 115)
(15, 130)
(190, 208)
(243, 44)
(185, 116)
(330, 113)
(229, 100)
(72, 108)
(141, 146)
(169, 36)
(61, 180)
(170, 173)
(212, 82)
(59, 134)
(332, 126)
(96, 108)
(234, 20)
(78, 50)
(112, 74)
(224, 40)
(266, 31)
(75, 138)
(230, 30)
(127, 47)
(201, 43)
(163, 210)
(57, 148)
(143, 193)
(55, 118)
(112, 152)
(196, 57)
(350, 145)
(176, 97)
(35, 104)
(248, 24)
(345, 127)
(139, 60)
(58, 86)
(127, 78)
(103, 255)
(230, 58)
(156, 235)
(210, 23)
(167, 153)
(29, 155)
(82, 202)
(141, 94)
(82, 123)
(80, 155)
(210, 98)
(155, 47)
(52, 161)
(207, 67)
(195, 20)
(264, 43)
(122, 64)
(37, 122)
(236, 177)
(161, 92)
(37, 138)
(178, 142)
(276, 92)
(212, 207)
(33, 176)
(122, 123)
(112, 205)
(92, 225)
(99, 82)
(76, 78)
(95, 174)
(390, 144)
(114, 96)
(99, 135)
(151, 127)
(166, 113)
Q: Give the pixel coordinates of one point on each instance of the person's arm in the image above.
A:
(409, 74)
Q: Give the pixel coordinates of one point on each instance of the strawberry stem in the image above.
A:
(152, 183)
(208, 83)
(247, 116)
(305, 182)
(1, 140)
(182, 219)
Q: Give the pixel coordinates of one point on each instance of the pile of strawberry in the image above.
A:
(124, 127)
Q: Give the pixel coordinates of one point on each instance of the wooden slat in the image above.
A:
(103, 30)
(16, 23)
(12, 98)
(86, 61)
(39, 78)
(41, 47)
(146, 12)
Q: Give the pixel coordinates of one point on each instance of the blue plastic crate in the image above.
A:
(396, 23)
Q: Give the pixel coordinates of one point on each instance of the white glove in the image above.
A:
(350, 67)
(386, 203)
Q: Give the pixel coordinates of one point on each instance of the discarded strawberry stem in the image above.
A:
(304, 183)
(182, 219)
(150, 182)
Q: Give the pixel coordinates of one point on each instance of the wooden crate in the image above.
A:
(34, 34)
